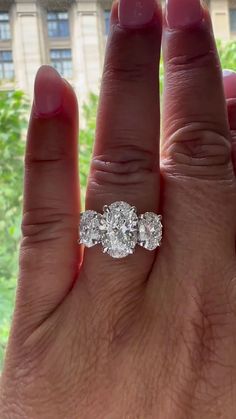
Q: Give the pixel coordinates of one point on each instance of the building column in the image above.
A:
(27, 45)
(220, 19)
(86, 50)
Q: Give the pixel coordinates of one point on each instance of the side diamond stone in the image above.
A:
(150, 231)
(90, 228)
(119, 226)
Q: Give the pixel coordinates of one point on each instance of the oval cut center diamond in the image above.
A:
(150, 231)
(90, 228)
(119, 227)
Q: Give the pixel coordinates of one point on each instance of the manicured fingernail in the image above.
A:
(136, 13)
(48, 91)
(183, 13)
(229, 78)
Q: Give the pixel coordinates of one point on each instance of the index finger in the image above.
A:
(49, 252)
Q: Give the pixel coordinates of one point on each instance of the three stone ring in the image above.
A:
(119, 229)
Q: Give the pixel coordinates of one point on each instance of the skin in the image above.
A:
(152, 335)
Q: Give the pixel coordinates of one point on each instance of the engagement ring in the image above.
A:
(119, 229)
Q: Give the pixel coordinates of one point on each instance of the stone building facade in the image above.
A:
(71, 35)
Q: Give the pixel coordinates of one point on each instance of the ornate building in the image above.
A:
(70, 35)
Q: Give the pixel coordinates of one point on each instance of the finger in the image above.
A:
(192, 79)
(196, 167)
(229, 79)
(125, 165)
(49, 252)
(126, 148)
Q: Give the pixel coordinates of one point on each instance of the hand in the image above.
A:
(151, 335)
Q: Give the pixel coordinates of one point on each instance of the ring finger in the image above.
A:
(125, 165)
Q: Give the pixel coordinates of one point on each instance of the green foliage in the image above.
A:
(7, 295)
(86, 140)
(13, 107)
(161, 76)
(227, 53)
(12, 122)
(13, 111)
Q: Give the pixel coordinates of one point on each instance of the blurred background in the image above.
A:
(71, 36)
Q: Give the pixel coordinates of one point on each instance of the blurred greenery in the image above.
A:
(14, 110)
(12, 123)
(86, 139)
(227, 53)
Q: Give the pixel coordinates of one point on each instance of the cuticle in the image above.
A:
(40, 115)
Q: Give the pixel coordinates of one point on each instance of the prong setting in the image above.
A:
(119, 229)
(150, 231)
(106, 209)
(90, 234)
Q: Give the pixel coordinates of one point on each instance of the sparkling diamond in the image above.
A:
(90, 228)
(150, 231)
(119, 227)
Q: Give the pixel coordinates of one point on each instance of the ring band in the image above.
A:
(119, 229)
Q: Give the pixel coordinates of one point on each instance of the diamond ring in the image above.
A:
(119, 229)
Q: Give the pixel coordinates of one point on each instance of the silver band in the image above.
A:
(119, 229)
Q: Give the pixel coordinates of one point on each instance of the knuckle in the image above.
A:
(123, 166)
(187, 61)
(45, 224)
(127, 71)
(120, 65)
(194, 150)
(49, 152)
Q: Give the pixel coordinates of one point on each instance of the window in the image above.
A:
(6, 65)
(107, 14)
(232, 15)
(5, 32)
(58, 25)
(61, 60)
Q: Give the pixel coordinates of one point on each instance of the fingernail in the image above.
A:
(136, 13)
(183, 13)
(229, 78)
(48, 91)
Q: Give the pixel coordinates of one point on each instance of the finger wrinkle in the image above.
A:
(200, 153)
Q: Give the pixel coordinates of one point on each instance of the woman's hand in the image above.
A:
(151, 335)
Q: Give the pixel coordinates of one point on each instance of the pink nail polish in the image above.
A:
(136, 13)
(183, 13)
(229, 77)
(48, 91)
